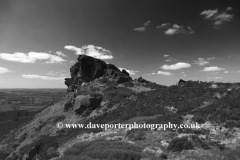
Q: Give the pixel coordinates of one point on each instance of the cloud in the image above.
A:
(43, 77)
(140, 29)
(218, 18)
(73, 48)
(132, 72)
(31, 57)
(229, 9)
(216, 78)
(176, 66)
(161, 73)
(175, 29)
(164, 73)
(4, 70)
(209, 13)
(200, 61)
(59, 53)
(211, 58)
(226, 72)
(57, 73)
(91, 50)
(170, 59)
(164, 25)
(213, 68)
(143, 28)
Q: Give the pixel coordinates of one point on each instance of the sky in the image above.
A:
(160, 40)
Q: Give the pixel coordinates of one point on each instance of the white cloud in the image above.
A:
(59, 53)
(43, 77)
(226, 72)
(209, 13)
(176, 66)
(229, 9)
(91, 50)
(164, 25)
(142, 29)
(211, 58)
(57, 73)
(146, 23)
(132, 72)
(218, 78)
(161, 73)
(31, 57)
(171, 31)
(165, 73)
(165, 55)
(200, 61)
(218, 18)
(4, 70)
(213, 68)
(73, 48)
(176, 29)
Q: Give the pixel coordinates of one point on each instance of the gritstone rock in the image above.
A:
(180, 82)
(88, 69)
(83, 102)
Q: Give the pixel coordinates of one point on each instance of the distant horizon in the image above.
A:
(153, 82)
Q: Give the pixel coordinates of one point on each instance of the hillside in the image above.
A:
(99, 93)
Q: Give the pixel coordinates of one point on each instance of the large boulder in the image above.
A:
(84, 102)
(88, 69)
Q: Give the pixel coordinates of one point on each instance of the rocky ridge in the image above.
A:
(88, 69)
(99, 93)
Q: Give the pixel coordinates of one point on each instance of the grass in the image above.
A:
(105, 150)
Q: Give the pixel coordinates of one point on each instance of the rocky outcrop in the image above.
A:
(84, 102)
(88, 69)
(181, 82)
(141, 80)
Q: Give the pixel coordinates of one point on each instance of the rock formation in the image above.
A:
(89, 102)
(88, 69)
(180, 82)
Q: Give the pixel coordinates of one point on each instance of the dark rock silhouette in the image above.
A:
(125, 72)
(181, 82)
(88, 69)
(33, 153)
(141, 80)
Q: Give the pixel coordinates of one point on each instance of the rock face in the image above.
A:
(181, 82)
(84, 102)
(88, 69)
